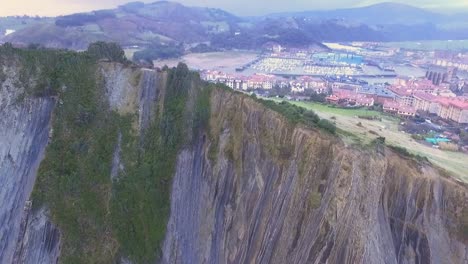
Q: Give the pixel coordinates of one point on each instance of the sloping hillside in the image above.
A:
(132, 24)
(169, 22)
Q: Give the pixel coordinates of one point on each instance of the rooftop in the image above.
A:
(425, 96)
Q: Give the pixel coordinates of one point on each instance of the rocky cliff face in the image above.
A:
(24, 132)
(250, 187)
(275, 193)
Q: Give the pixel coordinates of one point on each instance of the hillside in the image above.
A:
(106, 162)
(131, 24)
(378, 14)
(165, 22)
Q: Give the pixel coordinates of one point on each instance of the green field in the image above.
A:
(362, 131)
(318, 107)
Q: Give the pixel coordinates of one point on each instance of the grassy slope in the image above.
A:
(346, 120)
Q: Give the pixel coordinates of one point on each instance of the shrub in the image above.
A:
(417, 137)
(107, 50)
(379, 140)
(297, 114)
(464, 224)
(315, 200)
(158, 51)
(327, 125)
(448, 146)
(404, 152)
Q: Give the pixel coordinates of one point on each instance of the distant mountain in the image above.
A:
(165, 22)
(378, 14)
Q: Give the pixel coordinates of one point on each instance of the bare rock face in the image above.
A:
(258, 190)
(24, 131)
(40, 242)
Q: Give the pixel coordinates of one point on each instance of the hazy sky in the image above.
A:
(239, 7)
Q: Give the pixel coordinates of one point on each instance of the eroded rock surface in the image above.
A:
(282, 194)
(24, 132)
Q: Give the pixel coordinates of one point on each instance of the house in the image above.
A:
(365, 101)
(402, 96)
(342, 96)
(399, 109)
(453, 109)
(406, 111)
(379, 93)
(261, 81)
(391, 107)
(316, 84)
(424, 101)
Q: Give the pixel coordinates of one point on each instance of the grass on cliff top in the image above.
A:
(347, 122)
(297, 114)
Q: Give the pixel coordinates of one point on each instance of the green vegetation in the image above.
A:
(202, 48)
(141, 202)
(296, 114)
(404, 152)
(315, 200)
(464, 137)
(73, 179)
(107, 51)
(464, 224)
(101, 219)
(338, 111)
(158, 51)
(82, 19)
(384, 126)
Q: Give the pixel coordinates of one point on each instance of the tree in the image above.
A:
(318, 97)
(107, 50)
(327, 125)
(158, 51)
(464, 136)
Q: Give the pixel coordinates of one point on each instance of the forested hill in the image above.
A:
(172, 23)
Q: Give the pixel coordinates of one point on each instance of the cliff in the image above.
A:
(24, 131)
(277, 193)
(144, 165)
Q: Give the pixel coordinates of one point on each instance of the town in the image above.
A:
(427, 90)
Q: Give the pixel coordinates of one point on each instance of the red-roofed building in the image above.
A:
(401, 110)
(317, 84)
(453, 109)
(425, 101)
(261, 81)
(391, 107)
(406, 111)
(402, 95)
(341, 96)
(365, 101)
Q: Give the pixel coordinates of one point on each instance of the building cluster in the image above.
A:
(404, 98)
(265, 82)
(462, 65)
(450, 108)
(422, 95)
(349, 98)
(439, 75)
